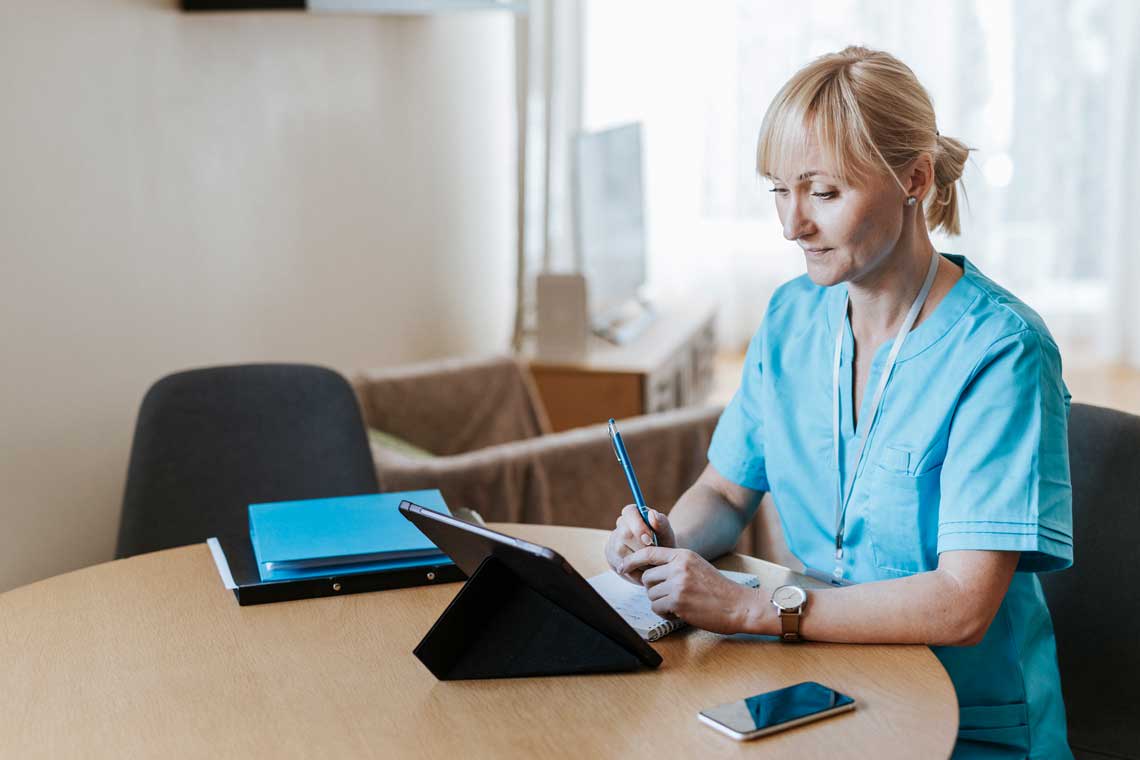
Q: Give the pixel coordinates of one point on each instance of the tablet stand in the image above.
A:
(500, 627)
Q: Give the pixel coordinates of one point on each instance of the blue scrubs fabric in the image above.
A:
(970, 452)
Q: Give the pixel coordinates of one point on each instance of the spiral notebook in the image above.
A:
(633, 605)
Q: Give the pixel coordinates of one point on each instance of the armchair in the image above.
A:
(488, 445)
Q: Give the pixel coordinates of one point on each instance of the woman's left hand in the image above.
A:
(682, 583)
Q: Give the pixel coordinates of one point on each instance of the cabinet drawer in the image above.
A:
(573, 399)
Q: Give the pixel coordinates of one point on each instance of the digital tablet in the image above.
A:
(541, 568)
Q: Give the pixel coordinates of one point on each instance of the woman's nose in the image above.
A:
(796, 223)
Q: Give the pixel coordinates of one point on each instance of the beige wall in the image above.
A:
(187, 190)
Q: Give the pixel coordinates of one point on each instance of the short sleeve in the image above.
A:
(737, 447)
(1005, 477)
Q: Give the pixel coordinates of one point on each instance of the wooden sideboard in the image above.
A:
(670, 365)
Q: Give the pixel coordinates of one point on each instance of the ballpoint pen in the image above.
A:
(623, 458)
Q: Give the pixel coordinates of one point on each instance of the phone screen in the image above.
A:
(774, 708)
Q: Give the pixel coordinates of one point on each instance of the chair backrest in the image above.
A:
(209, 442)
(453, 406)
(1094, 605)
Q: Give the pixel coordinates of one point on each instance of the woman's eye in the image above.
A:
(826, 196)
(778, 190)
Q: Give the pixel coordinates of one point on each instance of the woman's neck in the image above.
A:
(881, 298)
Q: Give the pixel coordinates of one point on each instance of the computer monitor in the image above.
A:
(609, 218)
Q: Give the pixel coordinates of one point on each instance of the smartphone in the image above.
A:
(774, 711)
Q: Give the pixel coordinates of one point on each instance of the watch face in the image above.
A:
(789, 597)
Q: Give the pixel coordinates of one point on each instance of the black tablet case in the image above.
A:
(500, 627)
(252, 590)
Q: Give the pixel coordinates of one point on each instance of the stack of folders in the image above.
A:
(331, 547)
(318, 538)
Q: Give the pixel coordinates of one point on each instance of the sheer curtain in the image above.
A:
(549, 100)
(1046, 90)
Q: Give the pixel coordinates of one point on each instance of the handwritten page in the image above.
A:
(632, 603)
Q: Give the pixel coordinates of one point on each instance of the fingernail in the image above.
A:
(645, 539)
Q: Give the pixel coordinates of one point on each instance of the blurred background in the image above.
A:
(1044, 91)
(372, 188)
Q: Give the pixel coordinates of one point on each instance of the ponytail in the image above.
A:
(949, 164)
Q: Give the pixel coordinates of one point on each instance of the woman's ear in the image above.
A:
(918, 178)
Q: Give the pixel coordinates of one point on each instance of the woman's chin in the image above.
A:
(822, 273)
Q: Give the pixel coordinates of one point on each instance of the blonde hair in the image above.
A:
(866, 111)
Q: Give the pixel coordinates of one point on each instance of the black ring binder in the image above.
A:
(252, 590)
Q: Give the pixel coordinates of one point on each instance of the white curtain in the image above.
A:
(1120, 338)
(549, 93)
(1046, 90)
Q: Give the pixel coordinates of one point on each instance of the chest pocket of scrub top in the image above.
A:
(902, 512)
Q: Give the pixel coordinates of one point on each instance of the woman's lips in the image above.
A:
(816, 252)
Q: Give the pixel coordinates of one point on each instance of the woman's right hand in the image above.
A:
(630, 535)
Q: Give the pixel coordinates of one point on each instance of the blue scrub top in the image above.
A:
(970, 452)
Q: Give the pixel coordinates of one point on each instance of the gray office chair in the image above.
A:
(1095, 613)
(209, 442)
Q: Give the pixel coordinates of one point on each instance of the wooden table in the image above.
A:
(151, 656)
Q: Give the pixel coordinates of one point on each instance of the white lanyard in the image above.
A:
(842, 496)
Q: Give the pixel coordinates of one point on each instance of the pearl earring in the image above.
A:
(911, 201)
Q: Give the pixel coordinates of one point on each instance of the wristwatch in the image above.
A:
(789, 602)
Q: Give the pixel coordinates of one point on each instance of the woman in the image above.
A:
(906, 413)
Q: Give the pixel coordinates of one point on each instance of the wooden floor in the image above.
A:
(1113, 386)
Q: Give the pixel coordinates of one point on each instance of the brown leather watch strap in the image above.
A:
(790, 625)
